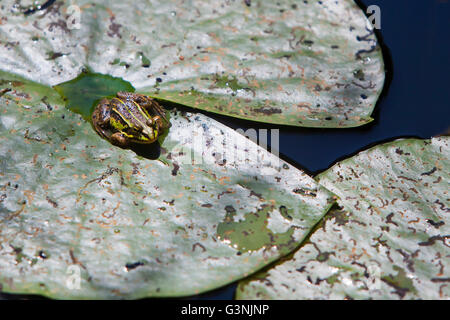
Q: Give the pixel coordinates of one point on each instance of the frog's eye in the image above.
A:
(149, 121)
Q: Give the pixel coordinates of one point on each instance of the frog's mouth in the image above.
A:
(149, 132)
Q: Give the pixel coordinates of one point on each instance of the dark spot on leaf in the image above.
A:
(285, 213)
(230, 210)
(436, 224)
(222, 193)
(439, 280)
(175, 169)
(54, 55)
(340, 216)
(268, 111)
(389, 219)
(442, 206)
(433, 239)
(258, 195)
(16, 250)
(197, 244)
(114, 28)
(407, 258)
(52, 202)
(42, 254)
(429, 172)
(61, 24)
(359, 74)
(304, 192)
(301, 269)
(170, 203)
(401, 152)
(134, 265)
(324, 256)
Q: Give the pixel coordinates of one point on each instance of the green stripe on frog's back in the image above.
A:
(131, 113)
(145, 115)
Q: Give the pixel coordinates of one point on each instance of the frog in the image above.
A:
(129, 118)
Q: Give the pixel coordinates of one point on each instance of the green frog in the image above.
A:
(129, 118)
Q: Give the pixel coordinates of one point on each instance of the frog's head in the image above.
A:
(147, 134)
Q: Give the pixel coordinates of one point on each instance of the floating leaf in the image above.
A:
(390, 242)
(300, 63)
(80, 218)
(84, 92)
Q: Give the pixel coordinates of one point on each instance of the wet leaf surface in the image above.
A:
(210, 210)
(83, 93)
(299, 63)
(390, 241)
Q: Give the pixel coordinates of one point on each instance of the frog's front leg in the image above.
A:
(119, 139)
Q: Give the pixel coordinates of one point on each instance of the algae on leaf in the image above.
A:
(71, 204)
(83, 93)
(299, 63)
(391, 239)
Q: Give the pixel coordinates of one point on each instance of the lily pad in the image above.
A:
(299, 63)
(391, 240)
(80, 218)
(83, 93)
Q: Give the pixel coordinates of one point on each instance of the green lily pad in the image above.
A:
(391, 240)
(299, 63)
(84, 92)
(80, 218)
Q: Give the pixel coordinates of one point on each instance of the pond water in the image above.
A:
(415, 101)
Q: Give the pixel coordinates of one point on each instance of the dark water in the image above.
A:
(415, 102)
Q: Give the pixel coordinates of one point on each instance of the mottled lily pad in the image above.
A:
(299, 63)
(391, 240)
(80, 218)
